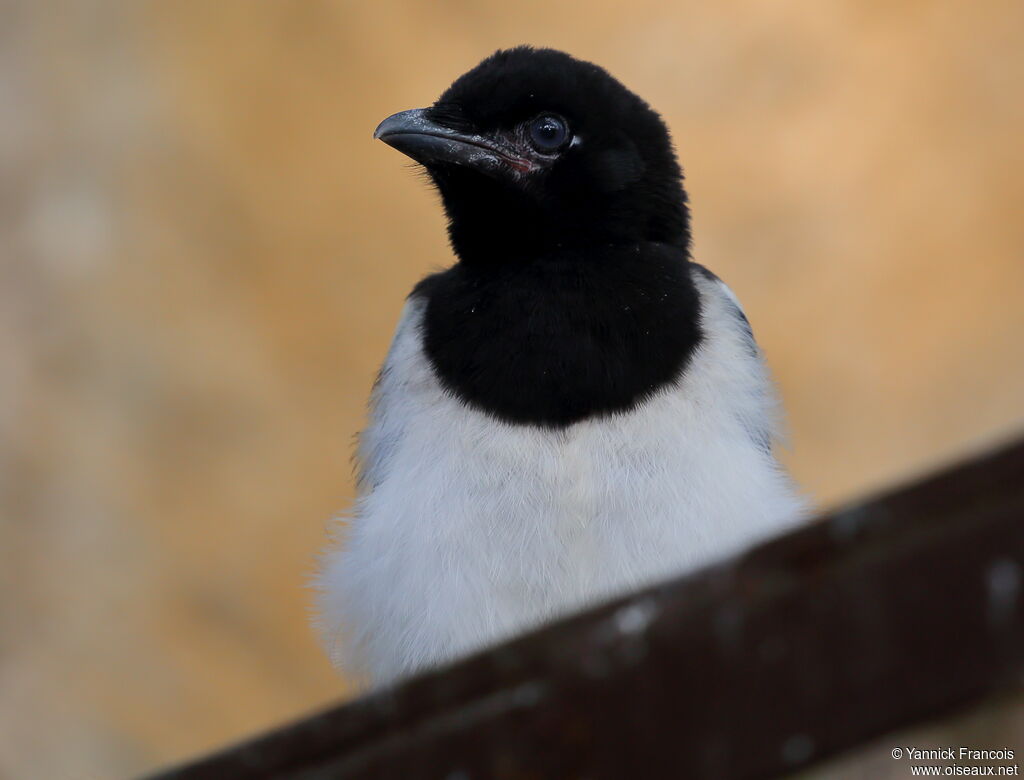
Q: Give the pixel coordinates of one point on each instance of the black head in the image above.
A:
(534, 151)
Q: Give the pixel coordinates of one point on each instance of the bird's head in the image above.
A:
(534, 151)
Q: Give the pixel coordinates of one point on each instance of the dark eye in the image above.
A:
(548, 133)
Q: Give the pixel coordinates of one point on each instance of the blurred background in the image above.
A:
(203, 255)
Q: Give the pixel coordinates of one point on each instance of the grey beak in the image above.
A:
(414, 134)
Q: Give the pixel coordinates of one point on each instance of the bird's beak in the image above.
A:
(414, 134)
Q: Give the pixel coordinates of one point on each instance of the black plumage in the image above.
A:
(572, 294)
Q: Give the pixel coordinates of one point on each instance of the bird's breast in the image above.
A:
(556, 342)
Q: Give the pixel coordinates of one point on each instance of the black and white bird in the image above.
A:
(574, 408)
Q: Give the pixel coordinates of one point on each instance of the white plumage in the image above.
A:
(468, 529)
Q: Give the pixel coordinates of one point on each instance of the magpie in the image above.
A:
(573, 409)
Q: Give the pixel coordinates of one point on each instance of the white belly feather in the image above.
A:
(469, 529)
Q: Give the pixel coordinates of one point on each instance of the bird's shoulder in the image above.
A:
(709, 284)
(733, 357)
(391, 404)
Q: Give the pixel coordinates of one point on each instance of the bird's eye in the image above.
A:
(548, 133)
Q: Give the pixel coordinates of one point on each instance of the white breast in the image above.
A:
(469, 529)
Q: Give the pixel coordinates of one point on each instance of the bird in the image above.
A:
(573, 409)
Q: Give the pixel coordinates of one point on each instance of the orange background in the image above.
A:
(203, 256)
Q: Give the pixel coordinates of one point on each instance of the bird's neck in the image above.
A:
(498, 231)
(491, 225)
